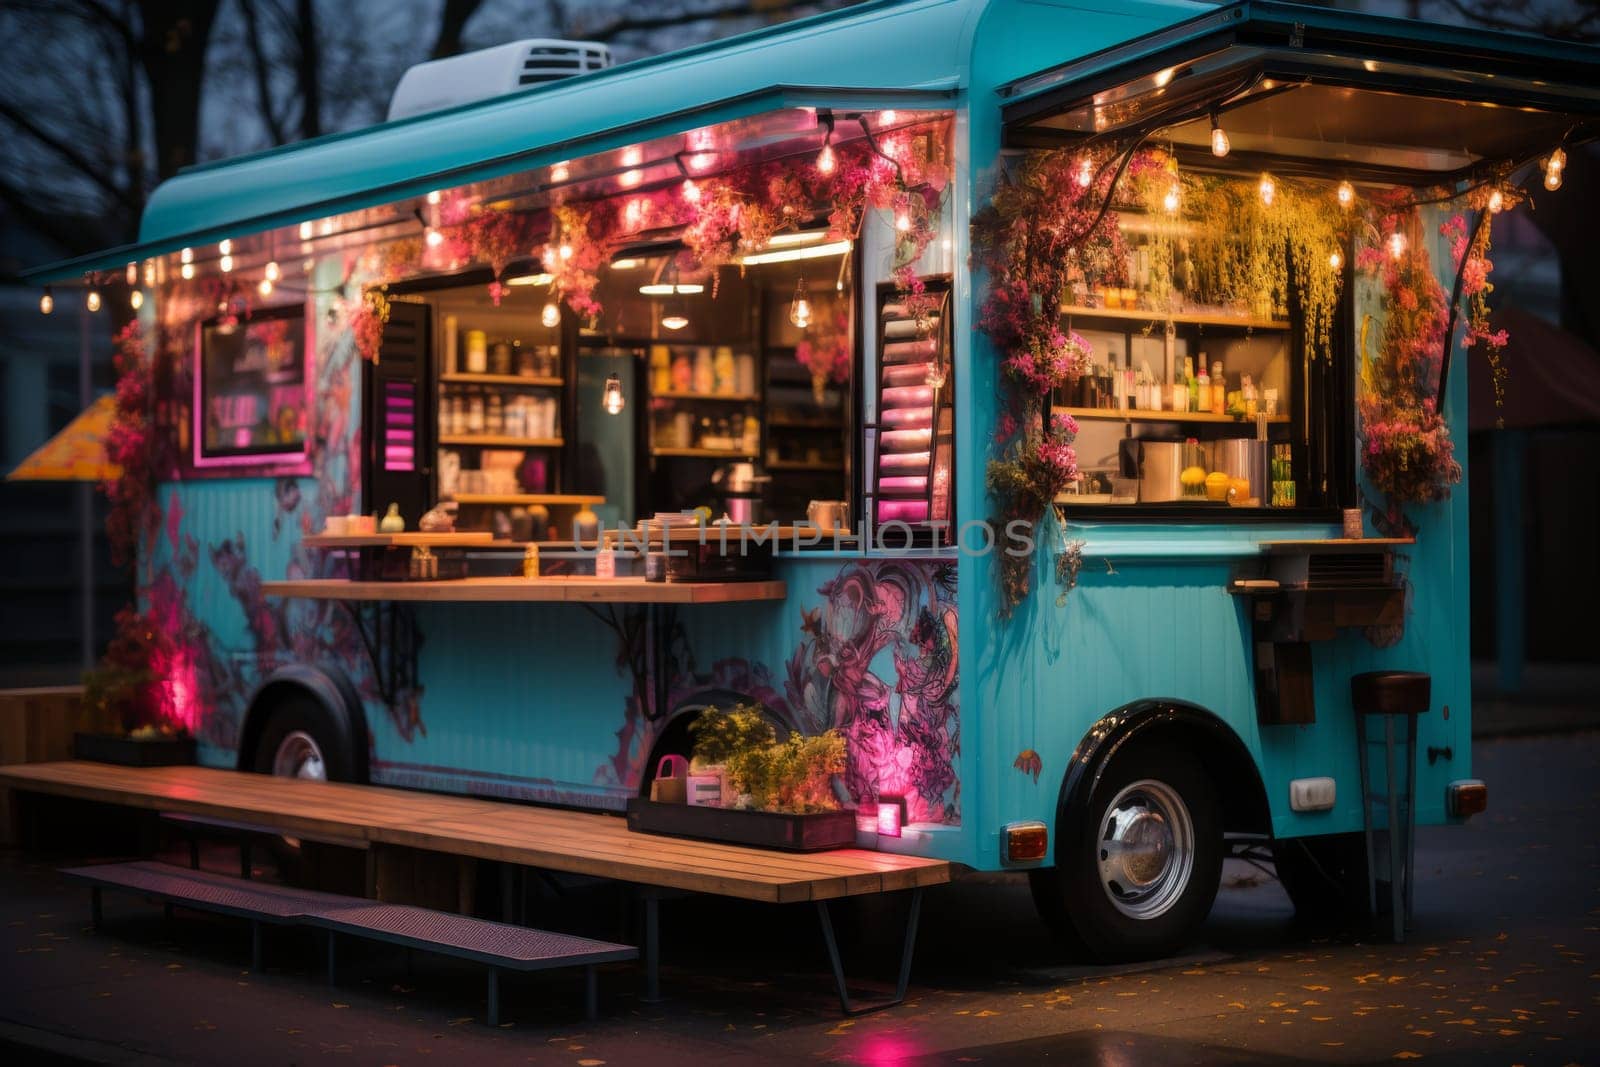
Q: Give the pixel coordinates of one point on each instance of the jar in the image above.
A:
(477, 352)
(500, 357)
(494, 415)
(475, 413)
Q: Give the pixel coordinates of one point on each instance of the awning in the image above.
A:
(796, 65)
(1302, 89)
(77, 453)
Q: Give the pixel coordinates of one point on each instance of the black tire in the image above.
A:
(1325, 877)
(300, 713)
(1149, 781)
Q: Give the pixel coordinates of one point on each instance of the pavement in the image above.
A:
(1503, 967)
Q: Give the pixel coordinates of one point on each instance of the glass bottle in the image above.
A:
(1249, 390)
(1202, 393)
(1219, 390)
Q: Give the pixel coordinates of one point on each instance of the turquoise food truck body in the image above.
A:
(977, 720)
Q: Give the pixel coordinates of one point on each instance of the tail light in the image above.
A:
(1466, 796)
(1025, 842)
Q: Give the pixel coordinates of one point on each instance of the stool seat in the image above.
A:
(1391, 692)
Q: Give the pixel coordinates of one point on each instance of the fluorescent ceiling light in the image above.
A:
(668, 289)
(803, 237)
(531, 279)
(624, 264)
(785, 255)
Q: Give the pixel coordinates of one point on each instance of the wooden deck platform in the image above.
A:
(569, 841)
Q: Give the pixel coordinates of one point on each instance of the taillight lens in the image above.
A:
(1026, 842)
(1469, 796)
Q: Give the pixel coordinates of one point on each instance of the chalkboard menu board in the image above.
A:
(250, 390)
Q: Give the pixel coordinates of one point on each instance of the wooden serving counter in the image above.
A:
(576, 589)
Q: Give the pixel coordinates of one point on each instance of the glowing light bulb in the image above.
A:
(551, 315)
(132, 274)
(560, 172)
(186, 256)
(187, 271)
(1085, 172)
(1268, 189)
(225, 264)
(264, 287)
(432, 237)
(271, 271)
(825, 160)
(434, 197)
(565, 252)
(674, 321)
(887, 118)
(136, 299)
(225, 246)
(47, 302)
(613, 400)
(1171, 200)
(902, 221)
(1336, 259)
(149, 273)
(1346, 194)
(92, 300)
(800, 306)
(691, 191)
(1497, 202)
(1397, 244)
(1219, 139)
(305, 231)
(1552, 178)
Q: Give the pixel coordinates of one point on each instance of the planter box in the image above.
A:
(763, 829)
(126, 752)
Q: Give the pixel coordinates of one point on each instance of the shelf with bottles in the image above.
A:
(698, 373)
(677, 430)
(1136, 415)
(526, 381)
(486, 412)
(1193, 317)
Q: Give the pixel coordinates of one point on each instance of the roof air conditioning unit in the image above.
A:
(491, 72)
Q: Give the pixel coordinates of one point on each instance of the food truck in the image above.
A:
(1078, 384)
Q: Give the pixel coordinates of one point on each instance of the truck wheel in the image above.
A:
(1140, 879)
(300, 740)
(1325, 876)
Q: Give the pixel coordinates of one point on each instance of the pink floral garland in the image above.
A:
(130, 445)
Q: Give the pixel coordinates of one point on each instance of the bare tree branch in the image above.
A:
(452, 20)
(262, 71)
(64, 149)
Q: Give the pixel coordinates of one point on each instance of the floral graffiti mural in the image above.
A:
(877, 659)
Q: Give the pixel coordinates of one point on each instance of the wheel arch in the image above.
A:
(331, 690)
(1188, 727)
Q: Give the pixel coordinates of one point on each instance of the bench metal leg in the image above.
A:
(591, 993)
(95, 913)
(652, 947)
(255, 946)
(493, 1012)
(848, 1006)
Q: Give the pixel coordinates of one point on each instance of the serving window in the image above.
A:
(250, 389)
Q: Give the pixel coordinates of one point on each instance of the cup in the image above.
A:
(335, 525)
(829, 515)
(1352, 524)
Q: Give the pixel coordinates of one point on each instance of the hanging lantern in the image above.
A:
(1219, 137)
(1554, 166)
(800, 306)
(613, 400)
(825, 159)
(1085, 172)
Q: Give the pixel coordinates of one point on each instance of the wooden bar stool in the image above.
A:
(1391, 694)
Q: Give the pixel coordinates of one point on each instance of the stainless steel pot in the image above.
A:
(1160, 463)
(1241, 457)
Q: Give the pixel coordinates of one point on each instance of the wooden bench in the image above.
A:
(516, 835)
(499, 946)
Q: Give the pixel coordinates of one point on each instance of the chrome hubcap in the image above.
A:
(1145, 849)
(298, 756)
